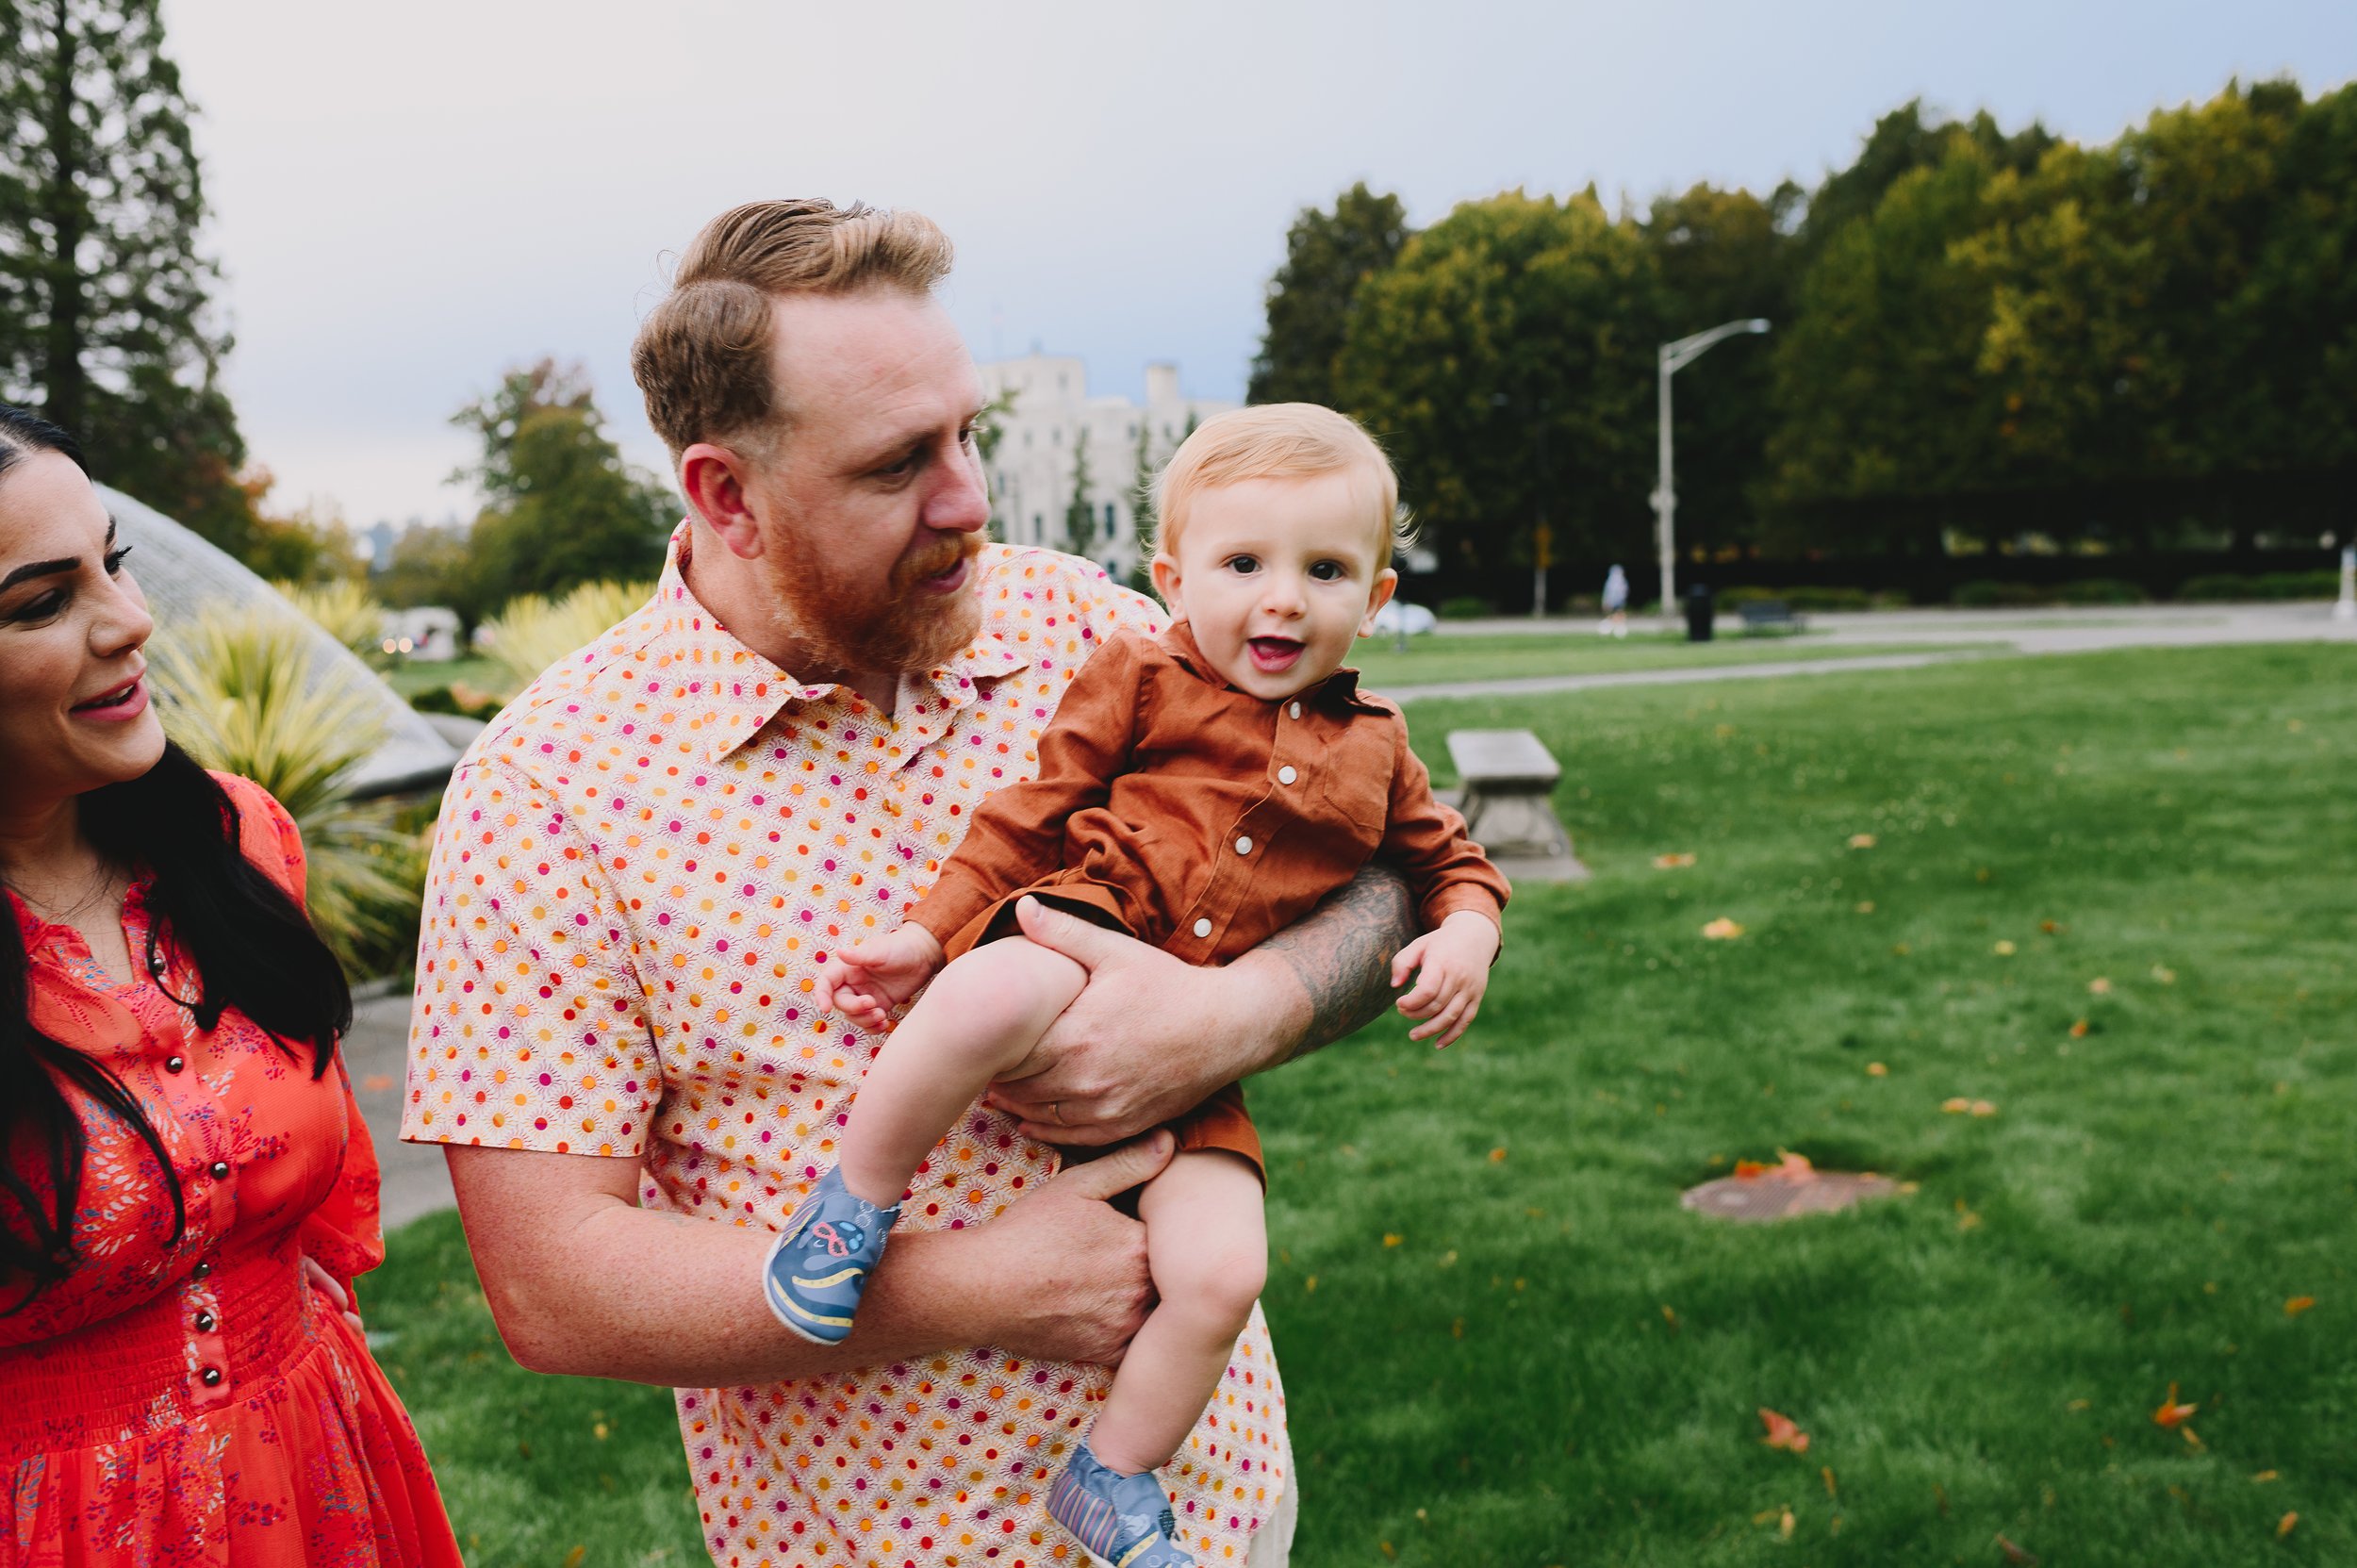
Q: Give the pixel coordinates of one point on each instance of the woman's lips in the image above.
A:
(1273, 654)
(128, 701)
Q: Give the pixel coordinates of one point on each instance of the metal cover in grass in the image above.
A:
(1785, 1193)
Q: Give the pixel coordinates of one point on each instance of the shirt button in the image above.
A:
(201, 1271)
(1203, 928)
(173, 1063)
(211, 1376)
(1286, 775)
(1294, 709)
(203, 1322)
(220, 1169)
(1243, 846)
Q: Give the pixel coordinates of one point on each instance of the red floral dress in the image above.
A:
(194, 1401)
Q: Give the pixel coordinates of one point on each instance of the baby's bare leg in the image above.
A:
(1208, 1245)
(977, 1021)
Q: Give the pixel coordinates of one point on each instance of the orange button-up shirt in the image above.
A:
(1212, 817)
(639, 868)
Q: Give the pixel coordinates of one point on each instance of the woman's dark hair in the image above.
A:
(251, 946)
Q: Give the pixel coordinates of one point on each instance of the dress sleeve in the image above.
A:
(1428, 841)
(1018, 833)
(344, 1234)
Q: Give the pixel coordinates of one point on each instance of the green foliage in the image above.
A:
(245, 695)
(2225, 589)
(1465, 606)
(534, 631)
(432, 566)
(563, 506)
(1327, 255)
(105, 322)
(345, 610)
(1080, 518)
(1506, 362)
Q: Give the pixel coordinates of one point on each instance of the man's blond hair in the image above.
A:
(703, 356)
(1277, 441)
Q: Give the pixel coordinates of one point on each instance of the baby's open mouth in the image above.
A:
(1273, 652)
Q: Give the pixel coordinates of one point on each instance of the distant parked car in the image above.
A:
(1400, 618)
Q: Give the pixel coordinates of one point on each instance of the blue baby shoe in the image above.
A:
(818, 1269)
(1121, 1521)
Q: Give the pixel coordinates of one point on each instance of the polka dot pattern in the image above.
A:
(639, 870)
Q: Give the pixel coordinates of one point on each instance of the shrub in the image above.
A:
(243, 695)
(2099, 590)
(348, 611)
(533, 632)
(2224, 589)
(1806, 596)
(1464, 607)
(1983, 594)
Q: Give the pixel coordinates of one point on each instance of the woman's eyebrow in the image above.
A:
(51, 569)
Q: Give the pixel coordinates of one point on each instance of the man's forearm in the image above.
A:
(1328, 974)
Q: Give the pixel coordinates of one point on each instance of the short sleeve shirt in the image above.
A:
(638, 869)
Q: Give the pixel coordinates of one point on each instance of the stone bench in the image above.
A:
(1508, 781)
(1759, 614)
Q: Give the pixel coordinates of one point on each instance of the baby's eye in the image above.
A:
(1242, 564)
(1326, 572)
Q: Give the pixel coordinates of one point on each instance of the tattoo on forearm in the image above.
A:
(1342, 954)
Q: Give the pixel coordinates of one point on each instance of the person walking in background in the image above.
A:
(1615, 622)
(187, 1188)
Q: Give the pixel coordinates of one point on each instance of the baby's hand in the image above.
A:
(1455, 961)
(866, 983)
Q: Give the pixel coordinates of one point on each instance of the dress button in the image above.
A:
(1203, 928)
(1293, 710)
(201, 1271)
(1286, 775)
(1243, 846)
(204, 1323)
(211, 1376)
(173, 1063)
(220, 1169)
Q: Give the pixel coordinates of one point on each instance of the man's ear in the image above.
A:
(714, 480)
(1386, 585)
(1166, 582)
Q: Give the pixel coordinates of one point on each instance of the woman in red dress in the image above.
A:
(187, 1188)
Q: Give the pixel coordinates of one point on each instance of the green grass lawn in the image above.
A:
(1505, 1343)
(415, 675)
(1506, 656)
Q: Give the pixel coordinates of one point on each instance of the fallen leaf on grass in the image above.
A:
(1866, 906)
(2052, 928)
(1861, 841)
(2284, 1526)
(2163, 973)
(1309, 1285)
(1722, 929)
(1902, 949)
(2016, 1553)
(1497, 1157)
(1831, 1490)
(1788, 1165)
(572, 1558)
(1671, 862)
(1875, 1069)
(1670, 1316)
(2003, 949)
(1783, 1525)
(2297, 1305)
(1783, 1433)
(2099, 986)
(376, 1083)
(2264, 1477)
(1965, 1219)
(1957, 1106)
(1392, 1239)
(2079, 1029)
(2171, 1414)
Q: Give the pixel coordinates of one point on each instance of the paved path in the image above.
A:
(415, 1182)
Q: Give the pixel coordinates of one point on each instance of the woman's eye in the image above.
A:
(114, 559)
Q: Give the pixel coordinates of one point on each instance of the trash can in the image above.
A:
(1699, 613)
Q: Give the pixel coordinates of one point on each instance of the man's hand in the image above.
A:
(1454, 971)
(867, 981)
(1083, 1261)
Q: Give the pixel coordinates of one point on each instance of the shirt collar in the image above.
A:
(730, 693)
(1340, 689)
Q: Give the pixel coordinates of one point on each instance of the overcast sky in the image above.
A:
(407, 204)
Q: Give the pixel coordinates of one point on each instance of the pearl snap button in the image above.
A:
(201, 1271)
(203, 1322)
(1203, 928)
(1293, 709)
(220, 1169)
(1286, 775)
(212, 1377)
(173, 1063)
(1243, 846)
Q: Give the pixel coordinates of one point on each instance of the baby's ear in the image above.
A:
(1165, 572)
(1386, 583)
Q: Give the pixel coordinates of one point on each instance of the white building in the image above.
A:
(1031, 470)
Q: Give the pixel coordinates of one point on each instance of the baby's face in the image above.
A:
(1275, 577)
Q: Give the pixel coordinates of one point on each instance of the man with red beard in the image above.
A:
(643, 864)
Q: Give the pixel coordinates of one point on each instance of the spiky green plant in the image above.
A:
(346, 608)
(244, 695)
(533, 632)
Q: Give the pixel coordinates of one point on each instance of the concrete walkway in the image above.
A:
(377, 1049)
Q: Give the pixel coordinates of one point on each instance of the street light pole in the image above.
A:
(1674, 357)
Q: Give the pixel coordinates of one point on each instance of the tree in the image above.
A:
(1327, 255)
(1079, 519)
(563, 506)
(104, 314)
(1506, 362)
